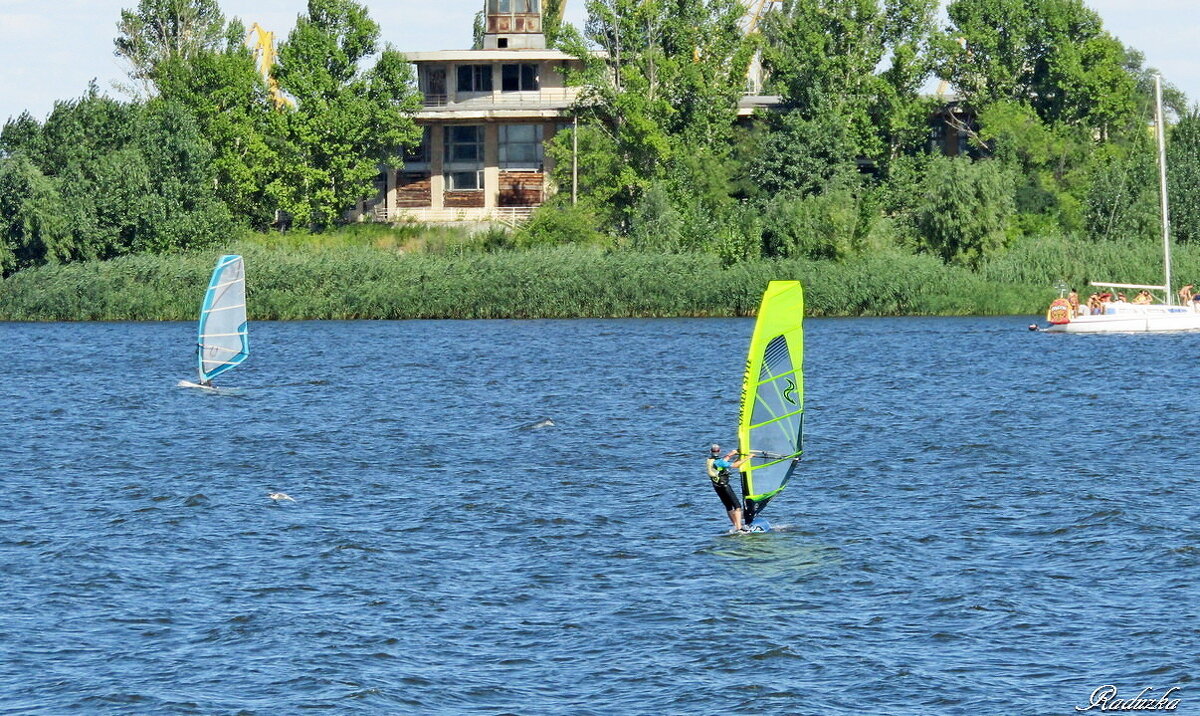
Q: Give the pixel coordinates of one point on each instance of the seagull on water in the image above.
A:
(281, 497)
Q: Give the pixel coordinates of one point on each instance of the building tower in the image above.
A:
(513, 25)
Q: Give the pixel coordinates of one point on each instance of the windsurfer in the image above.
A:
(718, 472)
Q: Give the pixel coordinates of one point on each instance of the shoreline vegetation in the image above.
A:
(1037, 171)
(370, 272)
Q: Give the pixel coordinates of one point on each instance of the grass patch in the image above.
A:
(384, 273)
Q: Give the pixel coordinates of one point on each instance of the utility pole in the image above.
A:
(574, 159)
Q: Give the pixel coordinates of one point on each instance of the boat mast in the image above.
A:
(1162, 185)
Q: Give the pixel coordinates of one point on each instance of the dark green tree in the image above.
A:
(181, 209)
(1053, 55)
(80, 129)
(966, 209)
(32, 226)
(861, 61)
(234, 112)
(1121, 202)
(801, 155)
(1050, 162)
(660, 101)
(1183, 177)
(162, 30)
(22, 132)
(348, 120)
(122, 178)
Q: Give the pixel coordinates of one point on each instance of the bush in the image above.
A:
(967, 206)
(558, 222)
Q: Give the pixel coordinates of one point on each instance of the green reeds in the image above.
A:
(366, 276)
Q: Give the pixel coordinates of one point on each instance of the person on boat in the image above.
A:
(1073, 299)
(1094, 304)
(718, 472)
(1121, 298)
(1185, 295)
(1143, 297)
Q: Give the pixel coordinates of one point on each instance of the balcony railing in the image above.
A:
(554, 97)
(510, 215)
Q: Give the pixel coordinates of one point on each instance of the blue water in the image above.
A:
(987, 521)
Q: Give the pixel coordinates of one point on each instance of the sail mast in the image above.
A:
(1162, 185)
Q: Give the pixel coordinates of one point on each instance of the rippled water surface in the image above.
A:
(987, 521)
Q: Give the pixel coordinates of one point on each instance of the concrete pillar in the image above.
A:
(491, 165)
(437, 181)
(389, 193)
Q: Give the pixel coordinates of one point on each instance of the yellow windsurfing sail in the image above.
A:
(771, 423)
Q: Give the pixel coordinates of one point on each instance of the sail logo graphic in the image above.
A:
(789, 393)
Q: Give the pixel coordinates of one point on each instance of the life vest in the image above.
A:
(719, 476)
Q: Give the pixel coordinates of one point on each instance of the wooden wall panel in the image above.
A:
(521, 189)
(464, 199)
(413, 190)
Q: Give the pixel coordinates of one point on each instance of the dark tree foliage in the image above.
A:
(103, 178)
(17, 133)
(1183, 177)
(659, 103)
(1053, 55)
(801, 155)
(348, 120)
(966, 209)
(862, 62)
(160, 31)
(32, 225)
(233, 109)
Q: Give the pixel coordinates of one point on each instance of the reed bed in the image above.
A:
(361, 279)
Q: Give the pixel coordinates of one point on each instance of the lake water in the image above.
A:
(986, 521)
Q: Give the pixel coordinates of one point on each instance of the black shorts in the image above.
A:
(727, 495)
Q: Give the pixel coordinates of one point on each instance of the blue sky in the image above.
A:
(50, 50)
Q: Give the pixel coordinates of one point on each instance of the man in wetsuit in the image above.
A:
(718, 472)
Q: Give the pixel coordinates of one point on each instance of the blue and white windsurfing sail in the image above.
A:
(223, 341)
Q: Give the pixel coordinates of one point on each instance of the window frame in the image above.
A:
(452, 182)
(450, 145)
(506, 144)
(421, 153)
(515, 76)
(480, 78)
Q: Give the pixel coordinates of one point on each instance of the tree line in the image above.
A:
(1054, 109)
(203, 149)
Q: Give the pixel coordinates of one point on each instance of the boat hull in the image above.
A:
(1133, 319)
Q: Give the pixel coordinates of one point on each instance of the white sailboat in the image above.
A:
(222, 341)
(1123, 317)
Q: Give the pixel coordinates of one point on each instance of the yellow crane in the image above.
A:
(262, 43)
(755, 9)
(754, 12)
